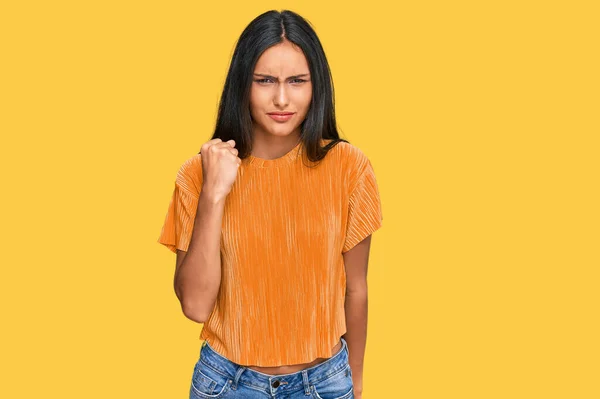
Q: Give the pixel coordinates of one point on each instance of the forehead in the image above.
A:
(285, 58)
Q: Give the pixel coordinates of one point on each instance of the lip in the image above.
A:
(281, 116)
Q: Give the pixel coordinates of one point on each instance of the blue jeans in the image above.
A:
(217, 377)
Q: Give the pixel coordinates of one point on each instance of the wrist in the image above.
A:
(214, 196)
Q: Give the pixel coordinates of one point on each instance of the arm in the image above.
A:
(198, 271)
(198, 264)
(356, 307)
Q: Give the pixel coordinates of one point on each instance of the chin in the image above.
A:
(280, 130)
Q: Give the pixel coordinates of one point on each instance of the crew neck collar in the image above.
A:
(283, 160)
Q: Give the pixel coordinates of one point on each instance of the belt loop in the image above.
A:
(237, 376)
(306, 384)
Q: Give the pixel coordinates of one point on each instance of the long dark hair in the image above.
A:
(266, 30)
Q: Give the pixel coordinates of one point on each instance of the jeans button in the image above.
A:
(275, 384)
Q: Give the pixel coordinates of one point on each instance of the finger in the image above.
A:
(209, 144)
(233, 158)
(226, 146)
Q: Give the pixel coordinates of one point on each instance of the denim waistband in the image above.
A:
(275, 383)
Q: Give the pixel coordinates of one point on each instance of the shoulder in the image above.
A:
(189, 175)
(355, 160)
(357, 165)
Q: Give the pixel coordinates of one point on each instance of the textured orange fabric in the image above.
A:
(285, 227)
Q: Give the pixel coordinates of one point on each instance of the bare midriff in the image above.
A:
(288, 369)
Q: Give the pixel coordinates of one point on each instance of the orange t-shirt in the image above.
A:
(285, 228)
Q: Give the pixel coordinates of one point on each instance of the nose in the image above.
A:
(281, 97)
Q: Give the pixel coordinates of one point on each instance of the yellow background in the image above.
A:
(481, 120)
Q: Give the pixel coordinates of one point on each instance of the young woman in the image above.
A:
(271, 223)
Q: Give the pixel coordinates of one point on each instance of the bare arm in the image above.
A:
(198, 271)
(356, 262)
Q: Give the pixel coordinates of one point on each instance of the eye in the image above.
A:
(265, 80)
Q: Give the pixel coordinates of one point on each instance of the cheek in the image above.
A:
(303, 99)
(258, 100)
(307, 93)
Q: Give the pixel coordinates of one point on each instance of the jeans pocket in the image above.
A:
(337, 386)
(208, 382)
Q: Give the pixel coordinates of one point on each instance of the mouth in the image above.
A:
(281, 116)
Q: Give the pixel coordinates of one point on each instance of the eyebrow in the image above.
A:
(274, 77)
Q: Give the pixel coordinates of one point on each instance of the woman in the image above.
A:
(271, 223)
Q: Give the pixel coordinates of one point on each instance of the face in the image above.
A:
(281, 83)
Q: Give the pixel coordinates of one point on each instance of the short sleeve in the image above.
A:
(364, 209)
(178, 225)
